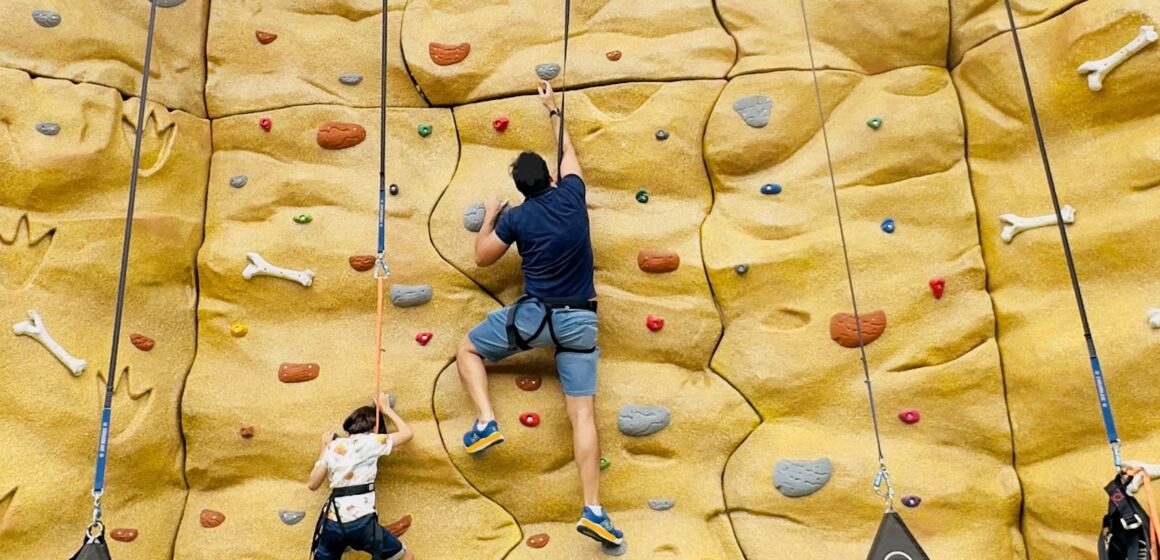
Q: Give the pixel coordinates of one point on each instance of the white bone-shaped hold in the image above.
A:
(1154, 317)
(1097, 70)
(34, 328)
(259, 267)
(1019, 224)
(1152, 469)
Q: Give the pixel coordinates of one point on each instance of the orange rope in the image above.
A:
(1151, 508)
(379, 356)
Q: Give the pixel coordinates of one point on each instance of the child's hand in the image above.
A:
(385, 401)
(327, 438)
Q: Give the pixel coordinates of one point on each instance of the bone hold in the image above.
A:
(259, 267)
(403, 295)
(1152, 469)
(1019, 224)
(1097, 70)
(1154, 317)
(34, 328)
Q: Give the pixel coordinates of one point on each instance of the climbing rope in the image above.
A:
(94, 546)
(382, 271)
(883, 486)
(563, 88)
(1097, 371)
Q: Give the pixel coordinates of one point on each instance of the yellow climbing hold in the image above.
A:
(239, 330)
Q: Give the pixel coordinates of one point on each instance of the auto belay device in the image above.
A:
(894, 541)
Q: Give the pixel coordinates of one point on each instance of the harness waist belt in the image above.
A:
(551, 305)
(580, 304)
(347, 491)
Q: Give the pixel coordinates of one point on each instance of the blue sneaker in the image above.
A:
(478, 440)
(599, 528)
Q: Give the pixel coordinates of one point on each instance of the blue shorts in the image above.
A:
(363, 534)
(574, 328)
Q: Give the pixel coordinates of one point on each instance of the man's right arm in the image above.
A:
(569, 162)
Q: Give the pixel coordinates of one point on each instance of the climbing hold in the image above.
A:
(403, 295)
(48, 128)
(393, 189)
(210, 518)
(639, 421)
(239, 181)
(266, 124)
(529, 382)
(911, 501)
(547, 71)
(425, 130)
(771, 188)
(423, 338)
(238, 330)
(658, 262)
(741, 269)
(662, 134)
(124, 535)
(530, 419)
(539, 540)
(1097, 70)
(246, 432)
(888, 225)
(605, 463)
(291, 517)
(937, 287)
(655, 324)
(754, 110)
(909, 416)
(142, 342)
(362, 263)
(265, 38)
(844, 328)
(613, 55)
(35, 329)
(874, 123)
(642, 196)
(297, 373)
(500, 124)
(46, 18)
(303, 219)
(473, 217)
(617, 550)
(350, 79)
(340, 135)
(1153, 317)
(796, 479)
(661, 505)
(445, 55)
(399, 528)
(169, 3)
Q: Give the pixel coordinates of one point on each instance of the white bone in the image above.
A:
(34, 328)
(1018, 224)
(259, 267)
(1153, 471)
(1154, 317)
(1096, 70)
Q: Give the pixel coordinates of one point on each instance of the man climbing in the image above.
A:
(558, 308)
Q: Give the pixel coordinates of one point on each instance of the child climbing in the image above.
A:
(558, 308)
(349, 518)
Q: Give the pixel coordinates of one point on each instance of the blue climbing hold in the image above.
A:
(771, 188)
(888, 225)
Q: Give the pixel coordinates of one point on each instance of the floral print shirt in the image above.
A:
(352, 461)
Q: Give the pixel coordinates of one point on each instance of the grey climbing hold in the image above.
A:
(754, 110)
(48, 128)
(473, 217)
(351, 79)
(391, 400)
(403, 295)
(291, 517)
(239, 181)
(46, 18)
(639, 421)
(741, 269)
(662, 135)
(616, 550)
(796, 479)
(661, 505)
(548, 71)
(169, 3)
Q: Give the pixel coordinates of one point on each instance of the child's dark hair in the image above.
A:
(362, 421)
(530, 173)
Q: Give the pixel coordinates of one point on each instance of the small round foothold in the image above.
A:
(613, 55)
(655, 324)
(888, 225)
(303, 219)
(530, 419)
(246, 432)
(266, 124)
(642, 196)
(238, 330)
(239, 181)
(539, 540)
(48, 129)
(741, 269)
(423, 338)
(911, 501)
(425, 130)
(394, 190)
(500, 124)
(529, 382)
(874, 123)
(662, 135)
(264, 37)
(909, 416)
(605, 463)
(771, 188)
(46, 18)
(350, 79)
(938, 287)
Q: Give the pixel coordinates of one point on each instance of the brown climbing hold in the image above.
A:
(246, 432)
(538, 541)
(658, 261)
(399, 527)
(340, 135)
(211, 518)
(124, 535)
(844, 329)
(297, 373)
(265, 38)
(362, 263)
(445, 55)
(529, 382)
(142, 342)
(613, 55)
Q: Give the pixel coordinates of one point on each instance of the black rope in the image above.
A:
(1097, 372)
(563, 88)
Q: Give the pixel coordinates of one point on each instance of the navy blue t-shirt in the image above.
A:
(550, 230)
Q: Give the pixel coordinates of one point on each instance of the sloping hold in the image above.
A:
(797, 479)
(444, 54)
(403, 295)
(844, 328)
(639, 421)
(362, 263)
(297, 373)
(340, 135)
(658, 262)
(265, 38)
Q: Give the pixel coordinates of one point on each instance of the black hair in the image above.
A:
(362, 421)
(530, 172)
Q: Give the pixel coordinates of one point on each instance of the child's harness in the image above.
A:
(1128, 533)
(330, 505)
(550, 305)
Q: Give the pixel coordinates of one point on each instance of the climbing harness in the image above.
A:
(563, 89)
(894, 540)
(382, 271)
(550, 307)
(331, 506)
(1128, 533)
(94, 547)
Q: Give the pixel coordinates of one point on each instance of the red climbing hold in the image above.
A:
(655, 324)
(266, 124)
(423, 338)
(937, 287)
(500, 124)
(909, 416)
(530, 419)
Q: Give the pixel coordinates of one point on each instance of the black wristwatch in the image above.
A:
(553, 113)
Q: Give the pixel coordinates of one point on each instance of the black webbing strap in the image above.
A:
(550, 306)
(563, 88)
(342, 492)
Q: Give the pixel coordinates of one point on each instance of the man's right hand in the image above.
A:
(547, 96)
(494, 206)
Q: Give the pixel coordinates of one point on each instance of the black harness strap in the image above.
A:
(343, 492)
(1125, 534)
(550, 306)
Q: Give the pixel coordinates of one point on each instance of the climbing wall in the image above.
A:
(732, 406)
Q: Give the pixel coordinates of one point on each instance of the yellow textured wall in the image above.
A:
(1008, 458)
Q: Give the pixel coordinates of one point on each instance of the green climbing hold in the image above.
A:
(605, 463)
(303, 218)
(874, 123)
(425, 130)
(642, 196)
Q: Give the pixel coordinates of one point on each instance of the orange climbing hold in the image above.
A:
(362, 263)
(124, 535)
(210, 518)
(339, 135)
(297, 373)
(844, 328)
(142, 342)
(265, 38)
(613, 55)
(658, 262)
(399, 527)
(445, 55)
(539, 540)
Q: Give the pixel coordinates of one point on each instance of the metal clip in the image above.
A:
(1132, 526)
(882, 479)
(381, 269)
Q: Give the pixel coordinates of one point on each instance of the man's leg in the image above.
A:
(586, 445)
(473, 376)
